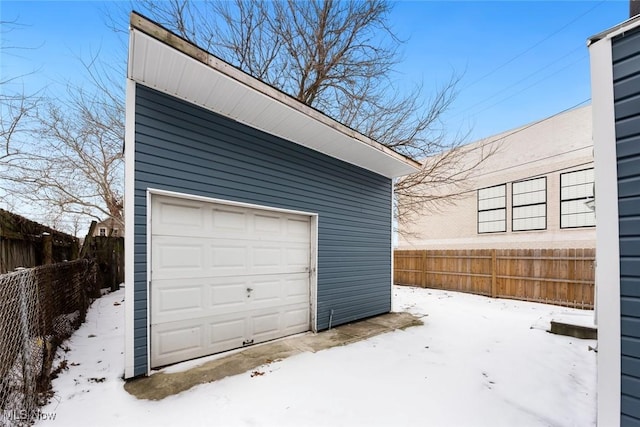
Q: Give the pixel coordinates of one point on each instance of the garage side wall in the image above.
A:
(183, 148)
(626, 81)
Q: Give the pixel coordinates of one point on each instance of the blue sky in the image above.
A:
(520, 61)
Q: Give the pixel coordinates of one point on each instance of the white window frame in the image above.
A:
(502, 208)
(580, 201)
(519, 205)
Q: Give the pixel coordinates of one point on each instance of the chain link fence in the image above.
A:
(39, 308)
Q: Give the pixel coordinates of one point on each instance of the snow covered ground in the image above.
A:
(475, 362)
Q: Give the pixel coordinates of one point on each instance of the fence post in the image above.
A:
(84, 251)
(424, 269)
(75, 250)
(115, 285)
(47, 248)
(26, 343)
(494, 265)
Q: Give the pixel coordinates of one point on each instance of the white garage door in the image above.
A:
(224, 276)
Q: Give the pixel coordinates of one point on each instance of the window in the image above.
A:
(492, 209)
(103, 232)
(529, 204)
(576, 190)
(115, 231)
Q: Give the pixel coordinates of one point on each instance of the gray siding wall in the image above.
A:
(181, 147)
(626, 80)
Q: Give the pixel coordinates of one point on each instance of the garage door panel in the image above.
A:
(266, 224)
(183, 218)
(265, 325)
(177, 341)
(271, 258)
(297, 229)
(178, 299)
(228, 257)
(278, 290)
(266, 290)
(172, 254)
(227, 296)
(188, 339)
(267, 256)
(297, 257)
(185, 301)
(228, 221)
(296, 287)
(270, 324)
(226, 333)
(296, 320)
(281, 238)
(173, 257)
(225, 275)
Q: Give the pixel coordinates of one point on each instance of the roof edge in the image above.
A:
(626, 25)
(158, 32)
(497, 137)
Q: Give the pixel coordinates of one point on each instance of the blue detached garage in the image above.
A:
(615, 87)
(250, 216)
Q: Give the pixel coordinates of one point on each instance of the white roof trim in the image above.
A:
(161, 60)
(622, 27)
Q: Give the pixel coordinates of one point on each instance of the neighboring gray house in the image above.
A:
(615, 81)
(250, 216)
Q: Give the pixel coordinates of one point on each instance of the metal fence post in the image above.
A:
(26, 344)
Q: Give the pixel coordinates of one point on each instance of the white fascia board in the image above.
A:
(607, 234)
(241, 97)
(393, 233)
(148, 276)
(616, 30)
(129, 213)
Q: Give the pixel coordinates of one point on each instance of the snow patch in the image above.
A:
(476, 361)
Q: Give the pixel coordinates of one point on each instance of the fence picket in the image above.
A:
(554, 276)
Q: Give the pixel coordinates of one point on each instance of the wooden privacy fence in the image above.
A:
(108, 253)
(553, 276)
(25, 243)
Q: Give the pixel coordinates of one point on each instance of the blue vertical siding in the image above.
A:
(626, 81)
(181, 147)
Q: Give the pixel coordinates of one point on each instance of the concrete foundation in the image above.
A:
(162, 384)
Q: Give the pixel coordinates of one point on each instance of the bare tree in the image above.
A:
(339, 57)
(78, 166)
(335, 56)
(71, 163)
(17, 112)
(61, 156)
